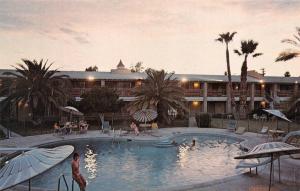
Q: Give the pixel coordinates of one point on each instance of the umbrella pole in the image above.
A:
(29, 185)
(279, 168)
(271, 172)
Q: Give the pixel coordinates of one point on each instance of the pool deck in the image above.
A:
(290, 168)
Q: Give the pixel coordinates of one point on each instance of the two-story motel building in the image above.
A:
(203, 93)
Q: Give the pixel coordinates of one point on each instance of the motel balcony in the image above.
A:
(193, 92)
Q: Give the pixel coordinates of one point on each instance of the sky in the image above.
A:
(175, 35)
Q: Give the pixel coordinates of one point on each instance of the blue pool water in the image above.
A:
(141, 166)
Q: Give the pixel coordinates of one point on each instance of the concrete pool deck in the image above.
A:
(290, 168)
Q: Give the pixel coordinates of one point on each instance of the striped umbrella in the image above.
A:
(30, 164)
(145, 115)
(271, 149)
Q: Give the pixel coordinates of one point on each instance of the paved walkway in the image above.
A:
(290, 168)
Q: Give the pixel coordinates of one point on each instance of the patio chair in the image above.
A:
(83, 128)
(154, 126)
(240, 130)
(231, 126)
(105, 127)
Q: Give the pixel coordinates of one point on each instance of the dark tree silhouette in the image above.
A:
(227, 38)
(92, 69)
(287, 74)
(247, 48)
(291, 53)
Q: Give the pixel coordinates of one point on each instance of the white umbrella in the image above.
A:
(271, 149)
(145, 115)
(71, 110)
(30, 164)
(277, 113)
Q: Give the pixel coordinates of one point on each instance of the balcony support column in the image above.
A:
(205, 97)
(252, 95)
(228, 102)
(102, 83)
(274, 91)
(296, 88)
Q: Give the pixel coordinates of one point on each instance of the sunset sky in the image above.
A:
(176, 35)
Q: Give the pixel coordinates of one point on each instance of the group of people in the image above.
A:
(68, 126)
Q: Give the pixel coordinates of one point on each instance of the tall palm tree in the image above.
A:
(247, 48)
(160, 91)
(227, 38)
(291, 53)
(37, 87)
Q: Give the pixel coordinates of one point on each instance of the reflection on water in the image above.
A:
(90, 163)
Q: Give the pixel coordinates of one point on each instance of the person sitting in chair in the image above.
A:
(56, 128)
(135, 128)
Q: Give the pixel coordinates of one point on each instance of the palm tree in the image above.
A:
(160, 91)
(227, 38)
(291, 53)
(247, 48)
(34, 85)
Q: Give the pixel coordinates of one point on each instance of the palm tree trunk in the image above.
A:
(232, 100)
(243, 90)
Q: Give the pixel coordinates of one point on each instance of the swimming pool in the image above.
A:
(130, 165)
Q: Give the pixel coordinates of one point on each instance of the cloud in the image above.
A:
(80, 37)
(81, 40)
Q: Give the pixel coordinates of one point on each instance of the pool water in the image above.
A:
(142, 166)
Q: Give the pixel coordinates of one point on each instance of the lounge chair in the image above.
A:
(105, 127)
(231, 126)
(254, 163)
(264, 131)
(293, 138)
(240, 130)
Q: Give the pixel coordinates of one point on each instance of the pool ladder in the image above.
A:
(65, 181)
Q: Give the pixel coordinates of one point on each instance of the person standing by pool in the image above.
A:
(76, 174)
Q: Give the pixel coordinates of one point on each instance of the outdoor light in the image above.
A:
(196, 85)
(263, 104)
(263, 85)
(296, 82)
(139, 83)
(183, 80)
(195, 103)
(91, 78)
(261, 81)
(236, 87)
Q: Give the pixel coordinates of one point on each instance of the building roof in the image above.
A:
(188, 77)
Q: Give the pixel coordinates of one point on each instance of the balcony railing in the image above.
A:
(193, 92)
(216, 93)
(285, 93)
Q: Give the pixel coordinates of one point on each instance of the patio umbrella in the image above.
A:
(271, 149)
(30, 164)
(72, 111)
(145, 115)
(277, 113)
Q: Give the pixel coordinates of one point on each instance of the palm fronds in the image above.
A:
(160, 91)
(290, 54)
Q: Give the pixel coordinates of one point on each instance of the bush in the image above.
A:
(203, 120)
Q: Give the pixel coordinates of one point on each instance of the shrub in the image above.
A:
(203, 120)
